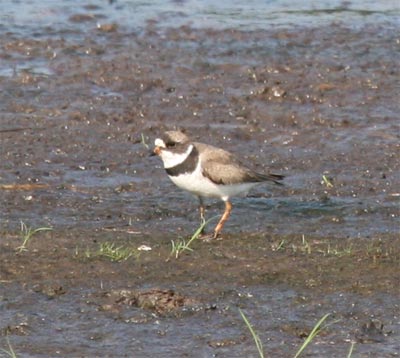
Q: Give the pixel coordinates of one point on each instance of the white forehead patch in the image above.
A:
(159, 143)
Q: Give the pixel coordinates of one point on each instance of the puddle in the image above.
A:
(313, 95)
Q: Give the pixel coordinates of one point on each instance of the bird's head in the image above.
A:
(173, 147)
(171, 141)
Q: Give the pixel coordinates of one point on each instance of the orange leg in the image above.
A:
(225, 216)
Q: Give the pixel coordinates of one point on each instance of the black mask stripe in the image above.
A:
(187, 166)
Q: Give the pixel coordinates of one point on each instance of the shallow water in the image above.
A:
(305, 92)
(251, 15)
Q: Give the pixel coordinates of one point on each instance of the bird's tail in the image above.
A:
(276, 178)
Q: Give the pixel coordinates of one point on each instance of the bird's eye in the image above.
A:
(171, 144)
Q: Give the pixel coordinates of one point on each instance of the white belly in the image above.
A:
(199, 185)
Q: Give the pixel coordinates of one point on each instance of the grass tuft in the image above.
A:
(310, 247)
(182, 245)
(10, 351)
(110, 251)
(314, 332)
(27, 234)
(115, 253)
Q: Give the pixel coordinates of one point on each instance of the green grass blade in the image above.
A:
(256, 338)
(351, 350)
(312, 335)
(143, 141)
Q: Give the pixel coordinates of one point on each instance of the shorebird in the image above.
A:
(207, 171)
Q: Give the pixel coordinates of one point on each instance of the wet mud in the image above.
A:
(79, 113)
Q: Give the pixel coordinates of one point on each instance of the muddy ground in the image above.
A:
(78, 109)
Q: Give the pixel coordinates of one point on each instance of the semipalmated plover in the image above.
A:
(207, 171)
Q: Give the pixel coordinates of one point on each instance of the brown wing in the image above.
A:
(221, 167)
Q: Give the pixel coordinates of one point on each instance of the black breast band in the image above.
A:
(187, 166)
